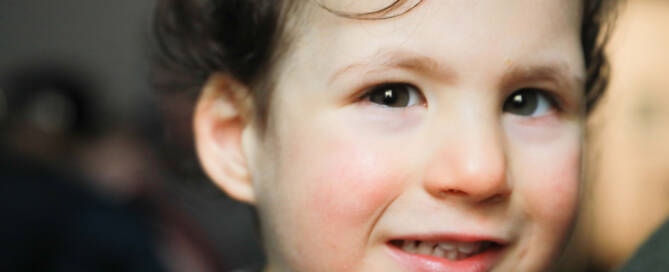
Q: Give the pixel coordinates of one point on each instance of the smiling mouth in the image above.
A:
(451, 250)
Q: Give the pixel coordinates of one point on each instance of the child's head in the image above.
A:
(445, 137)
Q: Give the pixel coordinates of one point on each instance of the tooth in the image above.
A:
(409, 246)
(425, 248)
(439, 252)
(468, 248)
(452, 255)
(447, 246)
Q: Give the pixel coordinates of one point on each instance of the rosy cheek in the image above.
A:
(547, 165)
(552, 190)
(352, 183)
(332, 189)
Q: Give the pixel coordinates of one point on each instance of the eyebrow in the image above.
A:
(556, 72)
(406, 60)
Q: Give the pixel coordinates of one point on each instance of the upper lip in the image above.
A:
(451, 237)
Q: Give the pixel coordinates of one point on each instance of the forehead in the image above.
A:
(452, 19)
(474, 38)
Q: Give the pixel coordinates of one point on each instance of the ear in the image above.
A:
(219, 124)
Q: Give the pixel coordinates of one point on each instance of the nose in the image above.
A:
(470, 164)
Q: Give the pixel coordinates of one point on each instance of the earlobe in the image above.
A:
(218, 124)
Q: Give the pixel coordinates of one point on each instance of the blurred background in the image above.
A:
(91, 177)
(98, 173)
(626, 190)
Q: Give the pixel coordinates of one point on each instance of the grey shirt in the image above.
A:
(653, 255)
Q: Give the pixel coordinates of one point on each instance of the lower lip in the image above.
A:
(423, 263)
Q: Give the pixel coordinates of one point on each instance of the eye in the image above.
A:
(528, 102)
(396, 95)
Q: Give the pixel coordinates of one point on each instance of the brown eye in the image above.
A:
(528, 102)
(394, 95)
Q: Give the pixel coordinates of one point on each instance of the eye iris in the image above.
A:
(524, 102)
(390, 95)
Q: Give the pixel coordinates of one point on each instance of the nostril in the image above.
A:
(452, 192)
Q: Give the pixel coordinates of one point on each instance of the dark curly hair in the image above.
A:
(243, 38)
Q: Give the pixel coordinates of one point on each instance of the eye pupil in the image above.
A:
(391, 95)
(389, 98)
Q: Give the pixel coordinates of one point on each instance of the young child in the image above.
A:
(393, 135)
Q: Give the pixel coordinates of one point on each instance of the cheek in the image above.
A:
(349, 180)
(549, 184)
(547, 170)
(546, 179)
(554, 193)
(349, 184)
(334, 186)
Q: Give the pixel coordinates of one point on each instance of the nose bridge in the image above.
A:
(470, 161)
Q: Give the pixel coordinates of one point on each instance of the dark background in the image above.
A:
(104, 48)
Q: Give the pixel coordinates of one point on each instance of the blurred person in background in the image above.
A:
(624, 224)
(53, 220)
(81, 194)
(100, 47)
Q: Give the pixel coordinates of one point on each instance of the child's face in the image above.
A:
(447, 152)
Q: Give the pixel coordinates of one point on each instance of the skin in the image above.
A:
(335, 176)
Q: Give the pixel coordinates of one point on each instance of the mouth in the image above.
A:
(451, 250)
(447, 253)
